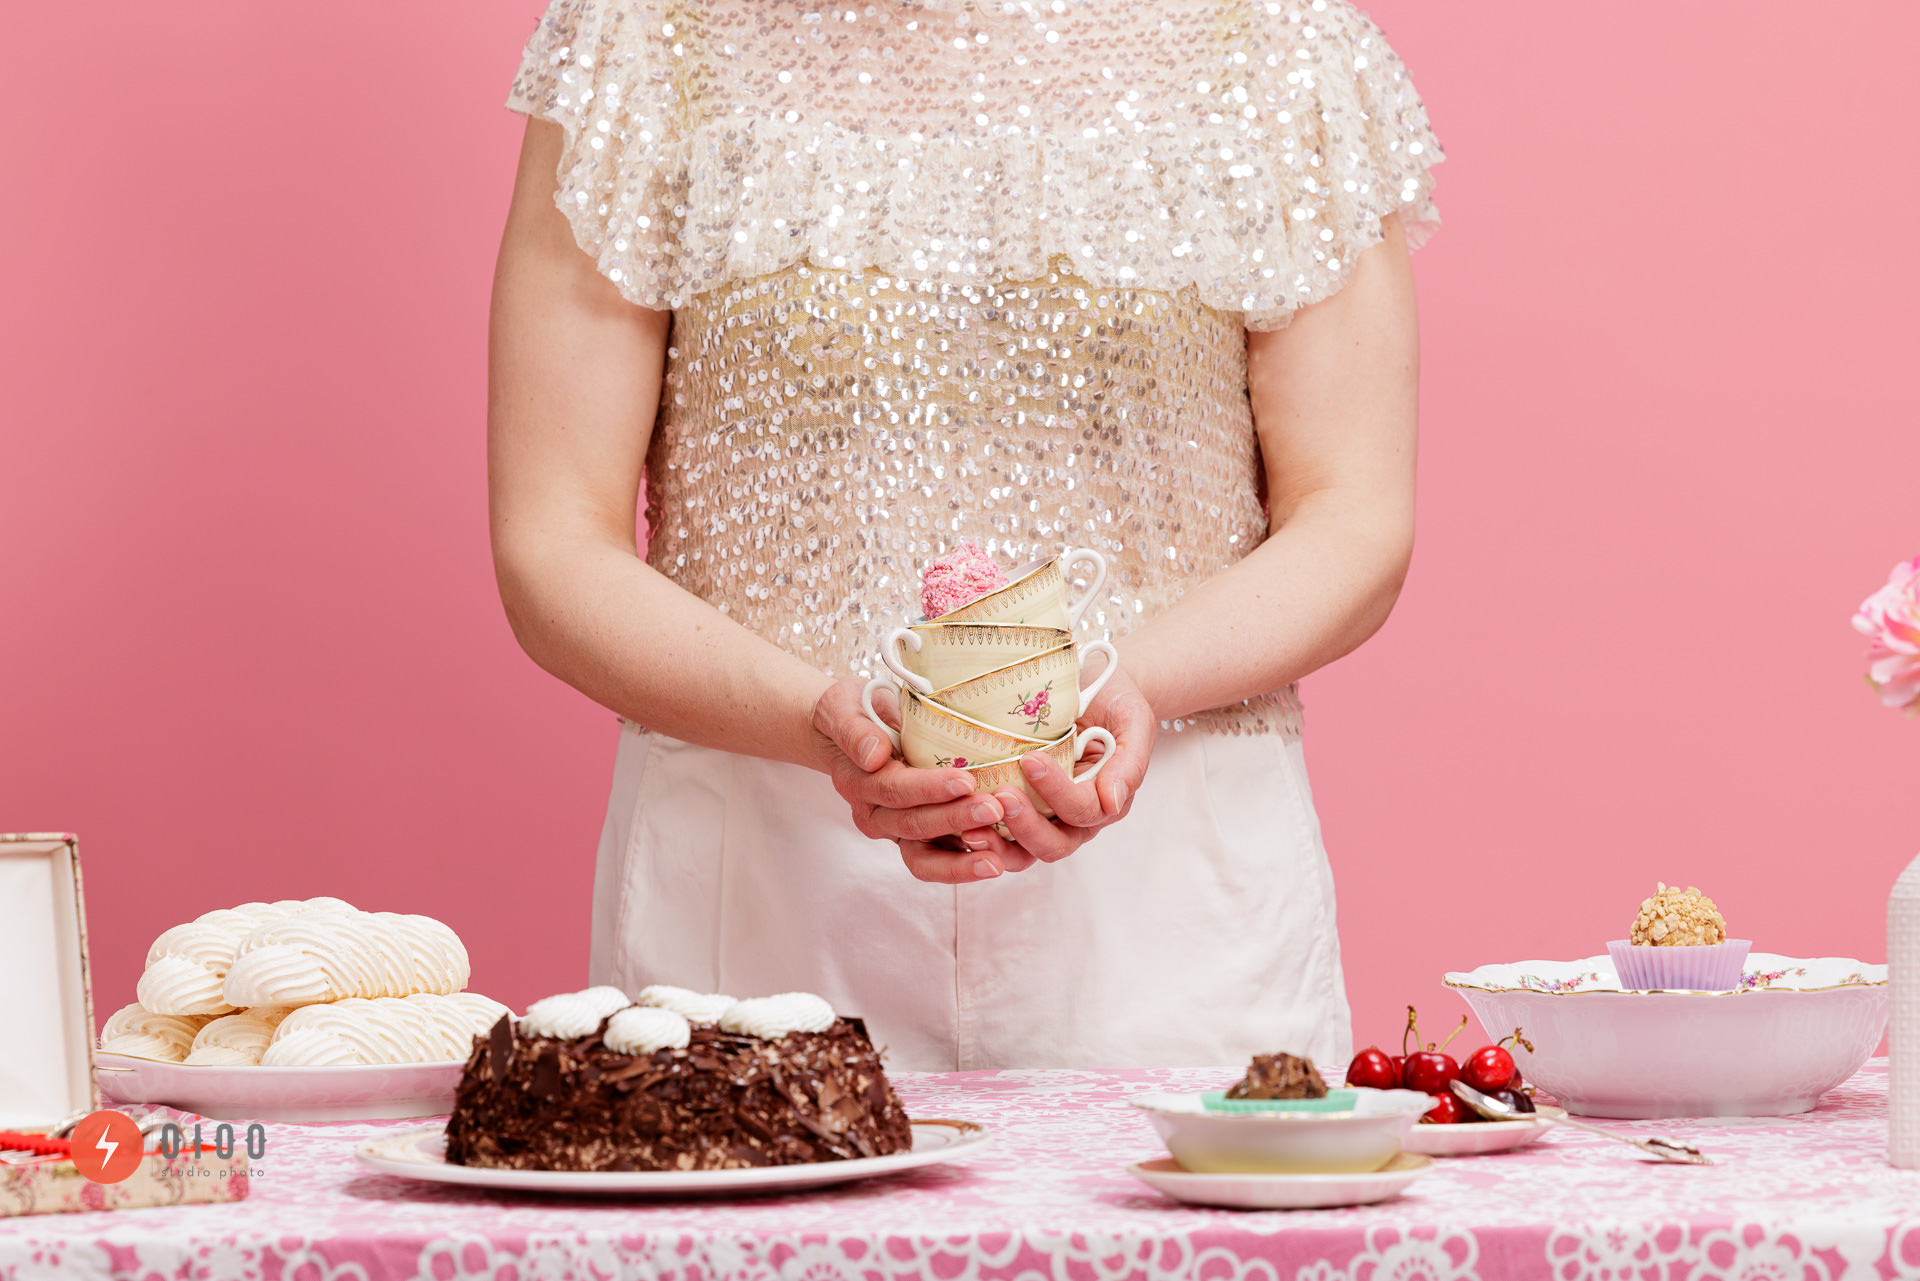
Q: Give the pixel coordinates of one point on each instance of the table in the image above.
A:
(1796, 1197)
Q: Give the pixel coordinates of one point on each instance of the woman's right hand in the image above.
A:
(914, 808)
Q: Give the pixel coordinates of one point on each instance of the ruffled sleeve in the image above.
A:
(1348, 144)
(1252, 161)
(610, 73)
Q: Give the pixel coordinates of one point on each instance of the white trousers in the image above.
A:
(1197, 931)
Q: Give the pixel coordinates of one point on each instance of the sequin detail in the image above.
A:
(1245, 148)
(825, 433)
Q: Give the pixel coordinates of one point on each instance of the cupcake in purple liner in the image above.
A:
(1679, 940)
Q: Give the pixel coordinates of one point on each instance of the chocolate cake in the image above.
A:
(1280, 1076)
(722, 1100)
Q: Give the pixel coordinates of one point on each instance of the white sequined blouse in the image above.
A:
(944, 269)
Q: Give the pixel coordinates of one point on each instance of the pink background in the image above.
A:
(253, 648)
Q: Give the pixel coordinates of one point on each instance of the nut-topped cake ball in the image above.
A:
(1678, 918)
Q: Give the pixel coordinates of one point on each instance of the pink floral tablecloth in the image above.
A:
(1801, 1197)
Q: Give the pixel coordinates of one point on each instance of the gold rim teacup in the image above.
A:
(930, 656)
(1036, 594)
(1066, 753)
(1039, 696)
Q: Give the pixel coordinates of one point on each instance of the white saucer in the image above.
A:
(1281, 1191)
(1477, 1138)
(382, 1091)
(422, 1154)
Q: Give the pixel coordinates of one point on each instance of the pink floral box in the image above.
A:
(56, 1186)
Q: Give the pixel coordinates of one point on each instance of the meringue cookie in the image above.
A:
(235, 1040)
(421, 1028)
(136, 1030)
(330, 954)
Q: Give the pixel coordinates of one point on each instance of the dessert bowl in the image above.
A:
(1792, 1030)
(1357, 1142)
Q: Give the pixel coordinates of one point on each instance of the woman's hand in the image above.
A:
(913, 807)
(1080, 809)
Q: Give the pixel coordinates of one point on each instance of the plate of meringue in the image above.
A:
(301, 1010)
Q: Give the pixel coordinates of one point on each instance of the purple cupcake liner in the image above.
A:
(1716, 967)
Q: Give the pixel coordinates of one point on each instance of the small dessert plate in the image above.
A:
(1281, 1191)
(422, 1154)
(1479, 1138)
(360, 1092)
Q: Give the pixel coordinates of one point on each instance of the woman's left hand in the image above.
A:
(1080, 809)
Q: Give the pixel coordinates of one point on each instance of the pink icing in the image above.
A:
(964, 574)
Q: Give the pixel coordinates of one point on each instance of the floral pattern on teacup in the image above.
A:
(1036, 709)
(957, 762)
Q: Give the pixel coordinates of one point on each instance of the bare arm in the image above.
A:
(574, 383)
(1336, 405)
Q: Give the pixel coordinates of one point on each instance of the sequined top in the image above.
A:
(948, 269)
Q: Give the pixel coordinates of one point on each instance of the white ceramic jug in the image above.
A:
(1903, 1026)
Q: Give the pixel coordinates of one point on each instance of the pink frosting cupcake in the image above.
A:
(961, 577)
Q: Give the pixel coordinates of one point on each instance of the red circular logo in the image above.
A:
(107, 1147)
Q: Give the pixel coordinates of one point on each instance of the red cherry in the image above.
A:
(1447, 1110)
(1374, 1069)
(1399, 1062)
(1513, 1099)
(1430, 1071)
(1487, 1069)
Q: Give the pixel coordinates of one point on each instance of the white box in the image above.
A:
(46, 995)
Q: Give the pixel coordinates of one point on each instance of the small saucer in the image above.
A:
(1281, 1191)
(1478, 1138)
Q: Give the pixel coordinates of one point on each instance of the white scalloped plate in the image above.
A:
(363, 1092)
(422, 1154)
(1479, 1138)
(1281, 1191)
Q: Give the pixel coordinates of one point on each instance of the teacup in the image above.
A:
(1036, 594)
(1066, 753)
(930, 656)
(1039, 697)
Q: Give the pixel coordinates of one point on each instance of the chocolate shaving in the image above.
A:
(500, 1046)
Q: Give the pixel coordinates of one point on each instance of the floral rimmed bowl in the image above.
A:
(1793, 1029)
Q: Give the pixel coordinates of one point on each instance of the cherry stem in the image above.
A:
(1412, 1029)
(1456, 1032)
(1517, 1039)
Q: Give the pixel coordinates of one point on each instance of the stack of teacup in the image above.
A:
(997, 677)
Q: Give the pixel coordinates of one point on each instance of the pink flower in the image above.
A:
(1035, 705)
(1890, 618)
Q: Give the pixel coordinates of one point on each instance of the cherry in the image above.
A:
(1429, 1070)
(1399, 1062)
(1488, 1068)
(1447, 1110)
(1513, 1099)
(1374, 1069)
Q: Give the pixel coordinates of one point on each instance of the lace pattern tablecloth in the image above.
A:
(1800, 1197)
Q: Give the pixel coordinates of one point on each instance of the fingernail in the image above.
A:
(985, 813)
(1119, 797)
(975, 844)
(1034, 764)
(1011, 802)
(866, 749)
(985, 870)
(959, 786)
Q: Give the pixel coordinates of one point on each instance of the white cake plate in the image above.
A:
(363, 1092)
(422, 1154)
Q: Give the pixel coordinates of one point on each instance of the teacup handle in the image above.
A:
(1092, 691)
(1096, 576)
(1093, 734)
(890, 655)
(866, 705)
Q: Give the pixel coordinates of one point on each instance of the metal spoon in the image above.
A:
(1498, 1110)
